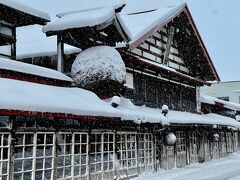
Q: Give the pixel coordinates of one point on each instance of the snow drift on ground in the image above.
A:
(224, 169)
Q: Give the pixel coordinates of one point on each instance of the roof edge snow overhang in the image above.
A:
(186, 10)
(24, 15)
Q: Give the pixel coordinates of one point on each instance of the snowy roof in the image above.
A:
(17, 66)
(32, 42)
(25, 96)
(212, 100)
(78, 19)
(24, 8)
(137, 24)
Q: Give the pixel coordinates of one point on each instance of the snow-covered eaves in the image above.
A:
(142, 114)
(16, 66)
(31, 97)
(81, 19)
(21, 7)
(212, 101)
(136, 25)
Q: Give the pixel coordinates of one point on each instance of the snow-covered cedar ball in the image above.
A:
(101, 70)
(170, 139)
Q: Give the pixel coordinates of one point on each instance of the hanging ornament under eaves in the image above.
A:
(170, 139)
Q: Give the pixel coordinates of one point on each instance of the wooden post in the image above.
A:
(198, 101)
(60, 53)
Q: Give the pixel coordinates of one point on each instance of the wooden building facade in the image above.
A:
(57, 140)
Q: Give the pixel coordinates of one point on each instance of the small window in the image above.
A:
(7, 40)
(129, 80)
(224, 98)
(4, 121)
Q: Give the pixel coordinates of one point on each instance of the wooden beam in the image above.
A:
(60, 53)
(168, 45)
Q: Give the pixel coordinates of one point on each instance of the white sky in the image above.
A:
(217, 21)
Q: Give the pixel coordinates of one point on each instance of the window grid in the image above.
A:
(23, 156)
(145, 149)
(108, 151)
(127, 151)
(65, 151)
(181, 142)
(4, 155)
(96, 153)
(80, 154)
(44, 155)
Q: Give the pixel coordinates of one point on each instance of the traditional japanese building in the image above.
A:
(51, 129)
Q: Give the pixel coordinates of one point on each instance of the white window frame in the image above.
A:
(124, 160)
(5, 175)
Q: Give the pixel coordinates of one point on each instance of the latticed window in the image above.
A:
(145, 149)
(64, 165)
(181, 142)
(96, 153)
(80, 154)
(44, 155)
(127, 150)
(108, 151)
(23, 156)
(102, 152)
(4, 155)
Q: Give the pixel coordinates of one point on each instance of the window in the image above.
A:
(4, 121)
(96, 153)
(127, 151)
(7, 40)
(44, 156)
(4, 155)
(129, 80)
(224, 98)
(102, 152)
(108, 151)
(80, 154)
(145, 149)
(64, 164)
(23, 156)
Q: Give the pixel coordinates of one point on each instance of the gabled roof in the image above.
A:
(139, 26)
(19, 14)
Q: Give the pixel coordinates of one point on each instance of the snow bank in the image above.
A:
(24, 8)
(96, 64)
(81, 19)
(25, 96)
(17, 66)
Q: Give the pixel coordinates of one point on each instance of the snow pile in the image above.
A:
(25, 96)
(24, 8)
(17, 66)
(96, 64)
(81, 19)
